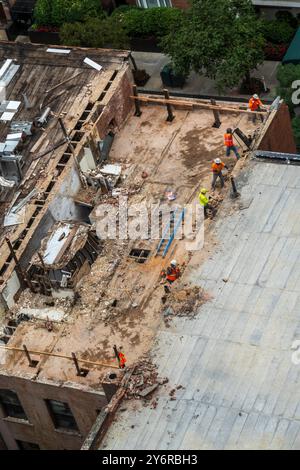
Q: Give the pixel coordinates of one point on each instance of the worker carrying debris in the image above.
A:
(173, 272)
(229, 144)
(216, 168)
(255, 104)
(204, 201)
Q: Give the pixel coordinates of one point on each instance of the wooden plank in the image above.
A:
(62, 356)
(64, 82)
(163, 101)
(191, 104)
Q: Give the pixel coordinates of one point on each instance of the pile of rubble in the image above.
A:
(28, 300)
(216, 200)
(184, 302)
(144, 381)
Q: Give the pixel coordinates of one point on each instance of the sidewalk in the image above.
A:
(153, 62)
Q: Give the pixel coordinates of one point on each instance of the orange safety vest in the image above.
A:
(217, 168)
(122, 360)
(254, 104)
(173, 274)
(228, 140)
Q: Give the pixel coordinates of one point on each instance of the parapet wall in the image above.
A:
(278, 135)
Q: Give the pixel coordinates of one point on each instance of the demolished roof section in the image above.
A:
(64, 240)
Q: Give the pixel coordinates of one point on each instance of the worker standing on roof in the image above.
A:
(204, 201)
(173, 272)
(122, 360)
(216, 168)
(255, 104)
(229, 144)
(120, 357)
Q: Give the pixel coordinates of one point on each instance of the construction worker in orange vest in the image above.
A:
(122, 360)
(230, 147)
(255, 104)
(173, 272)
(217, 167)
(121, 357)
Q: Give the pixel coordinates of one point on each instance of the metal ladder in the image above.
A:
(169, 232)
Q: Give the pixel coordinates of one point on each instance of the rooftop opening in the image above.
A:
(140, 255)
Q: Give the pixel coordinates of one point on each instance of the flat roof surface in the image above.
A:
(234, 359)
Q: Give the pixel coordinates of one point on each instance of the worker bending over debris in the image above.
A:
(255, 104)
(229, 144)
(217, 167)
(204, 201)
(173, 272)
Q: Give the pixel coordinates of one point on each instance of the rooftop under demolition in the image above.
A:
(68, 296)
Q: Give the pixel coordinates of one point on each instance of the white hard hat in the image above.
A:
(256, 97)
(174, 262)
(218, 161)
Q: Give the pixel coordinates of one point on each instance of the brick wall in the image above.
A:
(84, 404)
(278, 137)
(184, 4)
(117, 103)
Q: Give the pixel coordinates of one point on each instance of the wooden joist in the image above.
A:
(62, 356)
(192, 104)
(64, 82)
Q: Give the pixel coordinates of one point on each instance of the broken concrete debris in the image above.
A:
(183, 302)
(146, 391)
(144, 381)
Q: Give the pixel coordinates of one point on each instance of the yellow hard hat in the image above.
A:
(203, 191)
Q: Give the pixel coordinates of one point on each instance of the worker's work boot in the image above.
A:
(167, 289)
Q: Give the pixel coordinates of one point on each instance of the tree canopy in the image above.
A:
(221, 39)
(57, 12)
(95, 32)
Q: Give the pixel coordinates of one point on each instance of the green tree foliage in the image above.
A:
(140, 22)
(57, 12)
(277, 32)
(222, 40)
(296, 130)
(94, 32)
(287, 17)
(42, 12)
(286, 75)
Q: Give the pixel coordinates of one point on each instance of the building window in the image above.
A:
(154, 3)
(11, 405)
(23, 445)
(61, 415)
